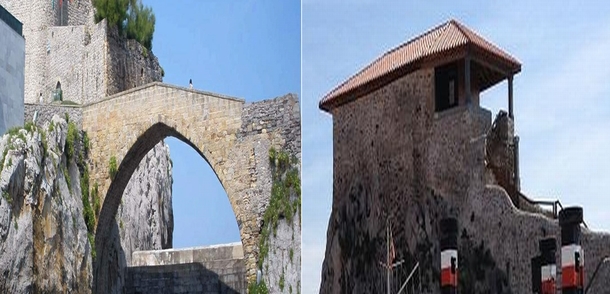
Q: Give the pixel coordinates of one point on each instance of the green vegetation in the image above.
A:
(96, 199)
(67, 177)
(261, 288)
(286, 183)
(113, 168)
(89, 212)
(4, 153)
(291, 254)
(6, 195)
(281, 282)
(71, 140)
(131, 17)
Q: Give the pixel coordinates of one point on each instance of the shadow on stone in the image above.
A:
(180, 278)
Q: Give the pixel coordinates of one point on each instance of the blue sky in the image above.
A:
(562, 95)
(245, 49)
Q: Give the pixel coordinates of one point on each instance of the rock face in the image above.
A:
(144, 220)
(283, 264)
(43, 236)
(43, 232)
(146, 215)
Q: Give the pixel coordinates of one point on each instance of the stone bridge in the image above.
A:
(232, 136)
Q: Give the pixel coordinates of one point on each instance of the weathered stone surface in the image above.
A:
(284, 259)
(209, 269)
(395, 158)
(45, 112)
(144, 220)
(43, 236)
(89, 60)
(145, 217)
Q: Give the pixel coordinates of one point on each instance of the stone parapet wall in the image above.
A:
(282, 114)
(187, 255)
(46, 112)
(224, 276)
(210, 269)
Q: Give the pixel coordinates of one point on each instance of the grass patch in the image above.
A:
(67, 177)
(6, 195)
(261, 288)
(71, 140)
(4, 153)
(113, 168)
(291, 254)
(96, 199)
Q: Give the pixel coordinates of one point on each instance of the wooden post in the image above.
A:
(467, 79)
(510, 97)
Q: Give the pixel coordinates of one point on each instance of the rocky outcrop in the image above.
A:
(44, 239)
(43, 236)
(282, 268)
(144, 220)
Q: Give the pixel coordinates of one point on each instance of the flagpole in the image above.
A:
(389, 262)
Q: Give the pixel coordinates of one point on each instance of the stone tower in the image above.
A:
(66, 50)
(413, 146)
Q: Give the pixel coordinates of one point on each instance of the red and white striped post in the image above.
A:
(572, 254)
(548, 267)
(449, 256)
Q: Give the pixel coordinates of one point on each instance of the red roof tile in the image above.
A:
(437, 42)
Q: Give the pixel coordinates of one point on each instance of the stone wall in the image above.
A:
(76, 60)
(211, 124)
(36, 17)
(90, 60)
(280, 114)
(396, 159)
(12, 65)
(211, 269)
(129, 64)
(46, 112)
(80, 12)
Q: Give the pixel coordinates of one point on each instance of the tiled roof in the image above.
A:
(440, 41)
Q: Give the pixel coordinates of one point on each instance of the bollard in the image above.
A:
(449, 256)
(548, 267)
(572, 255)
